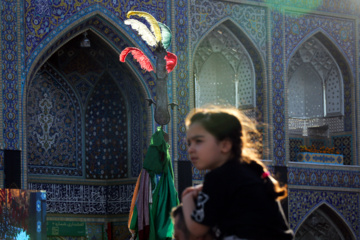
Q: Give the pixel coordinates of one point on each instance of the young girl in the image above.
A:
(239, 198)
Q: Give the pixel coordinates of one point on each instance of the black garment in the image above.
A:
(235, 200)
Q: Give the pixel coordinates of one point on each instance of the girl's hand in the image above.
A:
(188, 198)
(194, 191)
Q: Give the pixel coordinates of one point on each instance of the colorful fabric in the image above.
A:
(164, 196)
(143, 206)
(133, 202)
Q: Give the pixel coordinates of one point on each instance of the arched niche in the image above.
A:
(230, 70)
(324, 224)
(241, 54)
(225, 74)
(85, 72)
(227, 46)
(315, 83)
(319, 95)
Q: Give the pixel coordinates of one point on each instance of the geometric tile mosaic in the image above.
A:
(53, 127)
(278, 87)
(39, 24)
(206, 14)
(295, 144)
(299, 26)
(303, 202)
(10, 69)
(181, 37)
(106, 132)
(343, 144)
(323, 177)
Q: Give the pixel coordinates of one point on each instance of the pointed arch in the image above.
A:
(333, 67)
(257, 109)
(237, 30)
(254, 56)
(343, 70)
(65, 33)
(326, 211)
(106, 26)
(137, 85)
(330, 41)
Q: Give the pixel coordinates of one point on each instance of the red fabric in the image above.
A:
(109, 231)
(138, 56)
(145, 233)
(171, 61)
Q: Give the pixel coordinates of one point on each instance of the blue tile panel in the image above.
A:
(303, 202)
(53, 127)
(206, 14)
(323, 177)
(295, 144)
(343, 144)
(86, 199)
(9, 47)
(135, 95)
(106, 132)
(337, 34)
(181, 34)
(43, 17)
(300, 26)
(278, 87)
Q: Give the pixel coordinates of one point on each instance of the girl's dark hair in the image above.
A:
(230, 123)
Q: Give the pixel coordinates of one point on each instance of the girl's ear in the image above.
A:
(226, 145)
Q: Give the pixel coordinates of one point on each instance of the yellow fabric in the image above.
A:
(133, 201)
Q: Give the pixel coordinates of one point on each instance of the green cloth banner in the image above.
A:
(164, 195)
(71, 229)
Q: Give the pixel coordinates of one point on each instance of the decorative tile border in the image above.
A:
(86, 199)
(278, 95)
(10, 60)
(323, 176)
(181, 35)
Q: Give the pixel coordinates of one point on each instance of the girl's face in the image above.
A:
(205, 151)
